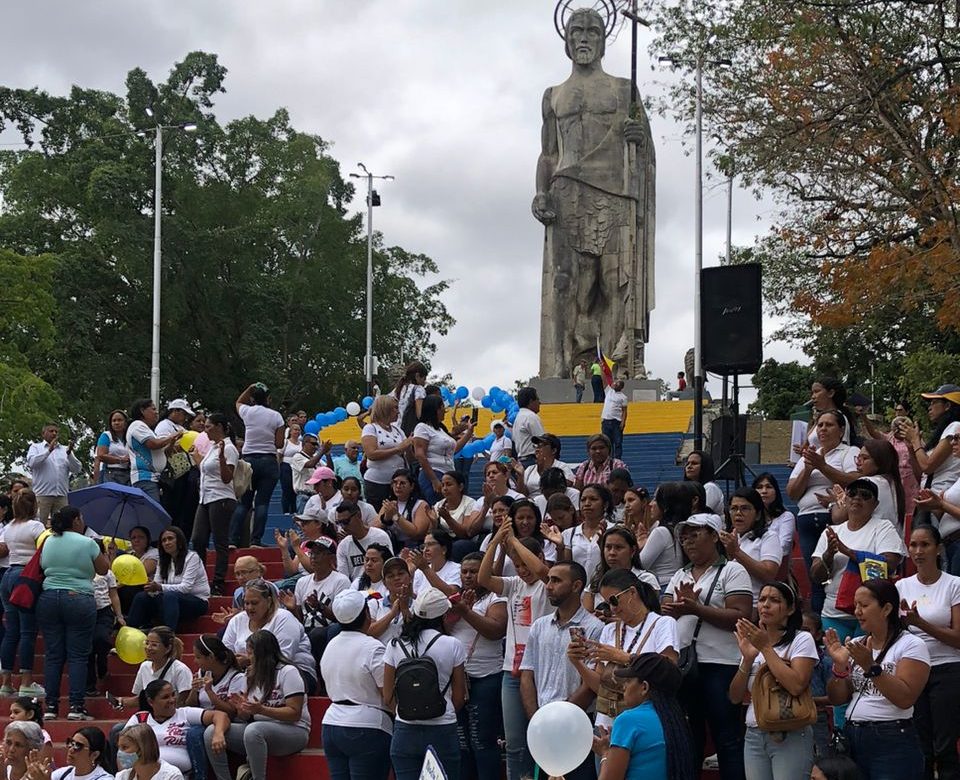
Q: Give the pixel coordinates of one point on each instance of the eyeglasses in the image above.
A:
(614, 600)
(741, 510)
(859, 493)
(71, 744)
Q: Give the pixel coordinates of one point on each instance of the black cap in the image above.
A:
(866, 484)
(550, 440)
(656, 670)
(350, 507)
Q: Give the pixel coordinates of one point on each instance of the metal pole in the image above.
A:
(155, 357)
(368, 362)
(698, 266)
(730, 214)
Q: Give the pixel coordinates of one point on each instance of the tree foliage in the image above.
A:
(781, 388)
(263, 267)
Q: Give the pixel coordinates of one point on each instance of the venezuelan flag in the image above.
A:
(606, 365)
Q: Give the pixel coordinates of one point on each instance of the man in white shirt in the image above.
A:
(302, 466)
(353, 546)
(526, 425)
(613, 416)
(51, 465)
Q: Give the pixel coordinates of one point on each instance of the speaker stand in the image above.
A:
(736, 459)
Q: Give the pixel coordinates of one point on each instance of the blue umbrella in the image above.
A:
(112, 509)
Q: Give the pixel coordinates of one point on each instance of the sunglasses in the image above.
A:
(862, 493)
(614, 600)
(74, 745)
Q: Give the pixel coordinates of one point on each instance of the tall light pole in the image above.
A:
(698, 245)
(157, 254)
(372, 200)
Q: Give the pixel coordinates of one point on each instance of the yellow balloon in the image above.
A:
(130, 644)
(42, 537)
(128, 569)
(187, 440)
(121, 544)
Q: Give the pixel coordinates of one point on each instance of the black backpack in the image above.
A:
(409, 420)
(417, 685)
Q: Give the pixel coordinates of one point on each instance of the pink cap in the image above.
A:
(322, 472)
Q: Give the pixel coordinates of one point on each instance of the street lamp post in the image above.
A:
(157, 253)
(372, 200)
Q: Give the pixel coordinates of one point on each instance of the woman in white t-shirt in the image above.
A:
(356, 728)
(790, 654)
(218, 500)
(581, 543)
(434, 448)
(262, 437)
(880, 677)
(370, 579)
(424, 635)
(163, 649)
(811, 483)
(699, 468)
(619, 550)
(433, 568)
(672, 504)
(480, 623)
(457, 511)
(20, 739)
(286, 453)
(749, 541)
(410, 389)
(637, 627)
(86, 754)
(219, 677)
(404, 514)
(782, 521)
(936, 459)
(390, 612)
(385, 446)
(138, 756)
(273, 714)
(863, 532)
(930, 607)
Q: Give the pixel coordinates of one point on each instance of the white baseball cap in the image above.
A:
(702, 520)
(430, 603)
(180, 403)
(348, 605)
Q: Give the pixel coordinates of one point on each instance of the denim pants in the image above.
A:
(102, 636)
(427, 493)
(169, 606)
(266, 474)
(149, 487)
(356, 753)
(288, 497)
(480, 725)
(119, 476)
(596, 384)
(519, 760)
(21, 627)
(937, 718)
(809, 529)
(771, 756)
(612, 430)
(409, 745)
(214, 519)
(886, 750)
(951, 558)
(578, 389)
(376, 493)
(707, 704)
(67, 619)
(255, 741)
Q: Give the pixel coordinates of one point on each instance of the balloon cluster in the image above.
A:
(325, 419)
(452, 397)
(498, 400)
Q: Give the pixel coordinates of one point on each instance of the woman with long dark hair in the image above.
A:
(782, 521)
(650, 738)
(404, 514)
(434, 447)
(881, 676)
(371, 579)
(274, 719)
(790, 654)
(828, 394)
(672, 504)
(219, 677)
(66, 609)
(410, 393)
(699, 467)
(89, 757)
(748, 539)
(179, 589)
(618, 550)
(581, 543)
(112, 453)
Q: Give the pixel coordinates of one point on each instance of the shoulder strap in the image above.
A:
(431, 643)
(646, 636)
(403, 649)
(163, 672)
(706, 602)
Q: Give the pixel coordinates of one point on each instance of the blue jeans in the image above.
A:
(769, 756)
(410, 744)
(266, 474)
(356, 753)
(809, 529)
(951, 557)
(21, 627)
(170, 607)
(596, 384)
(612, 430)
(578, 389)
(197, 751)
(67, 619)
(427, 493)
(149, 487)
(707, 704)
(886, 750)
(481, 724)
(519, 760)
(288, 498)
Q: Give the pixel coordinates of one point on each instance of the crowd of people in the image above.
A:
(672, 616)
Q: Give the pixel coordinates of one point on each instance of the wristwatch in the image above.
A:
(874, 671)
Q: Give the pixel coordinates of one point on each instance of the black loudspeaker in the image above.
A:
(731, 337)
(726, 440)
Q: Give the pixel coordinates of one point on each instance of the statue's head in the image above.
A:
(585, 36)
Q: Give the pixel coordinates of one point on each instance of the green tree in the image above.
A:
(781, 387)
(263, 266)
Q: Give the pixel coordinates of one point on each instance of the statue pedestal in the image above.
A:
(560, 391)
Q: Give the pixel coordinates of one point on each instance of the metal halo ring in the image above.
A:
(606, 8)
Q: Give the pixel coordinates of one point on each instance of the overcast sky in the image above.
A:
(444, 95)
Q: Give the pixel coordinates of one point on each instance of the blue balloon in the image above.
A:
(486, 401)
(488, 440)
(312, 426)
(366, 402)
(341, 413)
(495, 391)
(317, 416)
(495, 407)
(511, 417)
(462, 393)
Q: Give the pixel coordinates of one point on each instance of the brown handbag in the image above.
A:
(776, 709)
(610, 694)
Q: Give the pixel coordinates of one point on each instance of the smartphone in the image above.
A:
(578, 634)
(114, 701)
(475, 415)
(506, 459)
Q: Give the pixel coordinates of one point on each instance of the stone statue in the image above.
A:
(595, 195)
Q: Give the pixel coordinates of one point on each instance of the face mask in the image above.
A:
(126, 760)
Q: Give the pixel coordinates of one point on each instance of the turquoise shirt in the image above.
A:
(67, 562)
(639, 731)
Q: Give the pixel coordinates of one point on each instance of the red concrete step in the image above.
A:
(308, 763)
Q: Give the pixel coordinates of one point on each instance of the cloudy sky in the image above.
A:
(442, 94)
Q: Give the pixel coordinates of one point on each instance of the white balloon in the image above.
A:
(559, 737)
(353, 408)
(478, 393)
